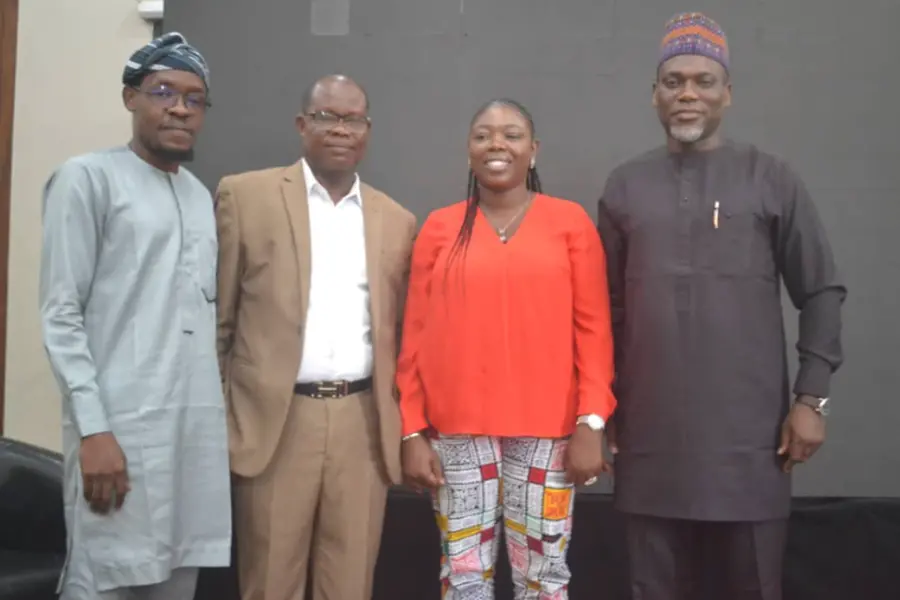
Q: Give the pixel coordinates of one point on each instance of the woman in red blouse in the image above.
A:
(507, 363)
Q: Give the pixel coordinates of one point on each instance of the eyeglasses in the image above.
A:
(328, 120)
(165, 97)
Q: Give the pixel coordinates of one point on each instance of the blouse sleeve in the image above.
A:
(409, 385)
(594, 349)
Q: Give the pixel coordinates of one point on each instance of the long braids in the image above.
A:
(473, 195)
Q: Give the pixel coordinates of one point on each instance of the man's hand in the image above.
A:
(584, 456)
(104, 472)
(802, 432)
(421, 464)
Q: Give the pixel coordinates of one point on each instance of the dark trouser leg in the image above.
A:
(749, 556)
(661, 553)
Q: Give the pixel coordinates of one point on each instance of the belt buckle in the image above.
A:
(332, 389)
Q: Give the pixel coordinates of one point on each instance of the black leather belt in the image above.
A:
(332, 389)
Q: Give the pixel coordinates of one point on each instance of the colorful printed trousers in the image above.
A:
(522, 480)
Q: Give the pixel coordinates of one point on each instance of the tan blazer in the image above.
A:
(263, 294)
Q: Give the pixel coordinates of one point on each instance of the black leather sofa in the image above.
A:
(32, 529)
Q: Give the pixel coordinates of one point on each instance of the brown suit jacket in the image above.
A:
(263, 289)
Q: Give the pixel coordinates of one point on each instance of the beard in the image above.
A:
(167, 155)
(174, 156)
(687, 134)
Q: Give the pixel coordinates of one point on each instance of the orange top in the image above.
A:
(511, 339)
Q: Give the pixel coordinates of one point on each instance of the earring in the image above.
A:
(532, 163)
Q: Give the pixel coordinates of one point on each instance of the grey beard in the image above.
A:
(687, 134)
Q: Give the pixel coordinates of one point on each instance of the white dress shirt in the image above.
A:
(338, 340)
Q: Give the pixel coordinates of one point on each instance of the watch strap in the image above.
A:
(820, 405)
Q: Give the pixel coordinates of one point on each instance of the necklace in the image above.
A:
(501, 231)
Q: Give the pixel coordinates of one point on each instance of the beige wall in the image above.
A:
(68, 101)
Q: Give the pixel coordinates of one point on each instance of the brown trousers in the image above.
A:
(320, 500)
(699, 560)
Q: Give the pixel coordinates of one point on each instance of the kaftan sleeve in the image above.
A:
(73, 214)
(409, 385)
(593, 328)
(811, 278)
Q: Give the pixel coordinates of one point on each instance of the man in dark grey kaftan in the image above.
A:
(699, 235)
(127, 294)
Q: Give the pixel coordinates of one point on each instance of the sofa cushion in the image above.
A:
(28, 575)
(31, 499)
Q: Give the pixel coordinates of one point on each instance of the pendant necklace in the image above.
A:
(501, 231)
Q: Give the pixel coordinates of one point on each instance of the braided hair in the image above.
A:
(473, 197)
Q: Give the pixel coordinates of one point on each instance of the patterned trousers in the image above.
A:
(521, 480)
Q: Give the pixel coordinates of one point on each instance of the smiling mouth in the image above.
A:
(496, 164)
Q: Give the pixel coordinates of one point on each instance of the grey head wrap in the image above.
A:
(169, 51)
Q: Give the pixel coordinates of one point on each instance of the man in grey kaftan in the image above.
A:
(699, 236)
(127, 294)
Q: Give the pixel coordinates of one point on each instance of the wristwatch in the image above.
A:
(820, 405)
(595, 422)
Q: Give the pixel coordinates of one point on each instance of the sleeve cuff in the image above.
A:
(90, 417)
(602, 407)
(414, 424)
(813, 378)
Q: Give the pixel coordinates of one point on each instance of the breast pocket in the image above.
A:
(741, 245)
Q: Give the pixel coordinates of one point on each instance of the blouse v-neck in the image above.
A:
(486, 222)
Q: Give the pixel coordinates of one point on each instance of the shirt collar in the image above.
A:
(313, 185)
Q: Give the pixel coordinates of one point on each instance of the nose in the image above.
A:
(688, 93)
(497, 141)
(340, 129)
(180, 108)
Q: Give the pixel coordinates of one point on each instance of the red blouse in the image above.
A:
(510, 339)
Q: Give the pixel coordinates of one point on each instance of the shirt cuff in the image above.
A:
(89, 416)
(813, 378)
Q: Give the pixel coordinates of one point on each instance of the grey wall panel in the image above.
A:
(813, 83)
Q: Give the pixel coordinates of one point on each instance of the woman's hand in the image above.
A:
(421, 464)
(584, 456)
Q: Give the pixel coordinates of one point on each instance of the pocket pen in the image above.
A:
(716, 215)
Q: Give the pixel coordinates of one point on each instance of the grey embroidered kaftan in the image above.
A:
(127, 297)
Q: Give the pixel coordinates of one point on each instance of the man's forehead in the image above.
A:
(338, 94)
(691, 65)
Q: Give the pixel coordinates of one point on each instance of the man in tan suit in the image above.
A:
(312, 278)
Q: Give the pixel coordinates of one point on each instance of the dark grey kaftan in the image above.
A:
(702, 378)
